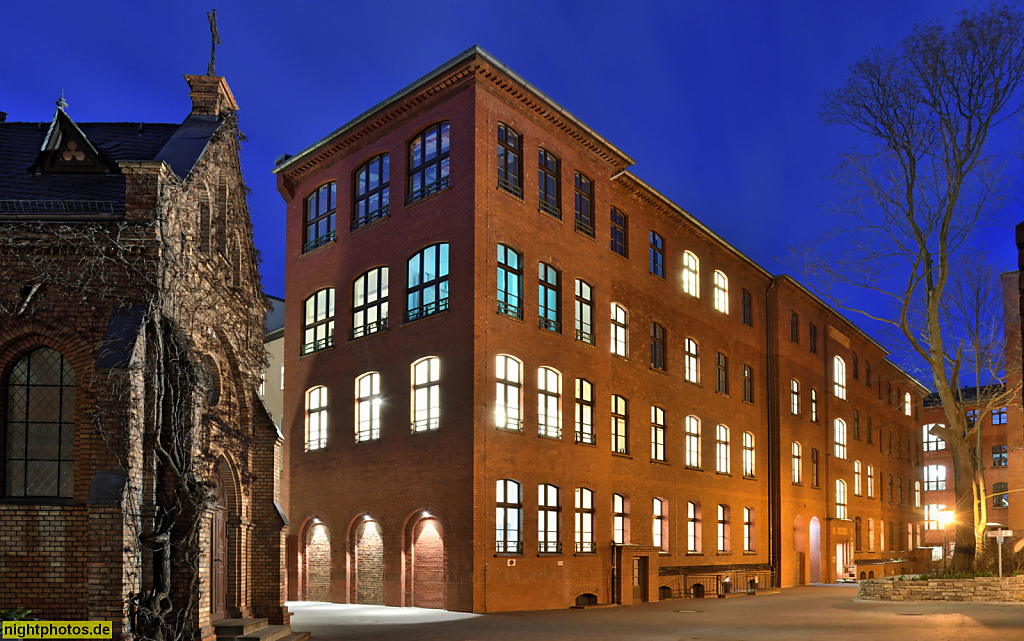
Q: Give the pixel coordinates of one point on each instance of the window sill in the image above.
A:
(621, 455)
(505, 555)
(40, 500)
(749, 553)
(660, 462)
(620, 357)
(724, 473)
(541, 555)
(548, 437)
(694, 468)
(658, 370)
(510, 189)
(694, 554)
(723, 553)
(749, 478)
(509, 430)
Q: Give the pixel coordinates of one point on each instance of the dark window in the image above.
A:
(814, 468)
(510, 175)
(584, 205)
(427, 283)
(549, 298)
(869, 429)
(856, 370)
(40, 453)
(999, 416)
(857, 534)
(867, 372)
(812, 338)
(318, 329)
(620, 233)
(856, 424)
(748, 311)
(794, 327)
(548, 174)
(657, 255)
(721, 373)
(584, 312)
(620, 424)
(370, 302)
(428, 162)
(584, 411)
(972, 417)
(999, 456)
(320, 210)
(748, 384)
(510, 282)
(999, 498)
(657, 346)
(371, 192)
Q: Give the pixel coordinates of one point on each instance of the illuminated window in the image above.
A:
(548, 178)
(794, 397)
(722, 449)
(917, 493)
(797, 458)
(691, 274)
(657, 254)
(934, 478)
(692, 441)
(839, 377)
(426, 392)
(871, 535)
(657, 433)
(693, 529)
(427, 287)
(584, 205)
(620, 425)
(320, 211)
(507, 412)
(619, 327)
(619, 233)
(931, 516)
(840, 499)
(368, 402)
(510, 282)
(549, 398)
(549, 510)
(814, 467)
(584, 312)
(748, 529)
(318, 330)
(748, 454)
(428, 162)
(549, 298)
(659, 525)
(585, 520)
(371, 192)
(724, 543)
(40, 452)
(814, 405)
(657, 346)
(316, 418)
(510, 171)
(370, 303)
(509, 517)
(871, 482)
(721, 301)
(620, 519)
(691, 371)
(856, 478)
(584, 411)
(840, 438)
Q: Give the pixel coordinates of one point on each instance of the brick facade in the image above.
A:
(407, 477)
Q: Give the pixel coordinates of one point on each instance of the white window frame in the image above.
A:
(368, 402)
(748, 455)
(692, 441)
(426, 394)
(691, 274)
(722, 463)
(317, 418)
(620, 331)
(508, 412)
(721, 292)
(549, 402)
(839, 377)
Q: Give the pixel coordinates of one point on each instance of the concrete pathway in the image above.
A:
(815, 613)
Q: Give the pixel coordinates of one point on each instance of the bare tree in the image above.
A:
(929, 107)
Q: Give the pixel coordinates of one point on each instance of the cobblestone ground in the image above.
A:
(816, 612)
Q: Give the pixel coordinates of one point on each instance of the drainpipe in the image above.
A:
(774, 447)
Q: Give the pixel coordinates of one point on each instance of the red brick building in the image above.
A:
(551, 385)
(131, 319)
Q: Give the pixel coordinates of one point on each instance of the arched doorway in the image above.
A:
(219, 550)
(815, 555)
(428, 575)
(369, 563)
(318, 562)
(799, 551)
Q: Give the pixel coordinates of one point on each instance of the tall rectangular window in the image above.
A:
(692, 441)
(748, 384)
(657, 434)
(619, 331)
(428, 162)
(748, 311)
(320, 212)
(797, 462)
(748, 454)
(370, 303)
(814, 405)
(584, 411)
(690, 362)
(693, 529)
(549, 298)
(871, 482)
(814, 467)
(934, 478)
(794, 397)
(839, 377)
(318, 329)
(999, 455)
(510, 171)
(722, 449)
(549, 398)
(584, 312)
(657, 254)
(620, 443)
(748, 529)
(548, 178)
(371, 201)
(691, 274)
(657, 346)
(721, 301)
(620, 519)
(721, 373)
(856, 424)
(723, 529)
(840, 499)
(368, 402)
(840, 438)
(999, 416)
(549, 510)
(509, 517)
(426, 393)
(856, 478)
(812, 338)
(619, 233)
(507, 412)
(585, 521)
(584, 205)
(316, 418)
(427, 285)
(794, 327)
(659, 525)
(999, 495)
(510, 282)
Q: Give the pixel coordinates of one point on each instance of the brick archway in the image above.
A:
(427, 567)
(369, 563)
(317, 557)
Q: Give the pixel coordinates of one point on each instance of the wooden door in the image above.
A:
(219, 555)
(639, 579)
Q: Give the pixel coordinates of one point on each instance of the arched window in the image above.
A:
(748, 529)
(692, 441)
(659, 525)
(509, 531)
(426, 394)
(510, 171)
(748, 454)
(620, 425)
(585, 520)
(839, 376)
(693, 529)
(908, 405)
(721, 292)
(370, 302)
(549, 399)
(549, 298)
(316, 418)
(620, 340)
(871, 482)
(657, 433)
(427, 284)
(691, 362)
(320, 210)
(548, 183)
(368, 402)
(840, 438)
(619, 233)
(856, 478)
(840, 499)
(691, 274)
(507, 413)
(40, 452)
(722, 449)
(657, 346)
(510, 282)
(724, 535)
(318, 328)
(797, 457)
(620, 519)
(428, 162)
(371, 191)
(549, 508)
(584, 411)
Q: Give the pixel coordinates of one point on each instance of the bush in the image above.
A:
(17, 614)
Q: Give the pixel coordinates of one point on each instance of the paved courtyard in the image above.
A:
(816, 612)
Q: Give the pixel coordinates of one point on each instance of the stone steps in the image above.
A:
(255, 630)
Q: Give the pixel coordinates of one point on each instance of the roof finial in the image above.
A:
(215, 40)
(62, 104)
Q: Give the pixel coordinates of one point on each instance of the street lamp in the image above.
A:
(945, 518)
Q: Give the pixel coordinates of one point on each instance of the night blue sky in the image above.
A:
(717, 101)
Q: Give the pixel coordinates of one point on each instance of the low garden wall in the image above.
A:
(984, 588)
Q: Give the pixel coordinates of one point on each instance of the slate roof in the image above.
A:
(24, 194)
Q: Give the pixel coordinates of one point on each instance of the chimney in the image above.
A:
(210, 95)
(3, 116)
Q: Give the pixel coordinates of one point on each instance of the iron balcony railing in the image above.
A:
(363, 221)
(426, 310)
(369, 328)
(510, 187)
(551, 210)
(508, 309)
(427, 190)
(317, 242)
(316, 346)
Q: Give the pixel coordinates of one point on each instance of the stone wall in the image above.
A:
(986, 588)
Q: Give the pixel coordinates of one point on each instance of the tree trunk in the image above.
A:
(963, 468)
